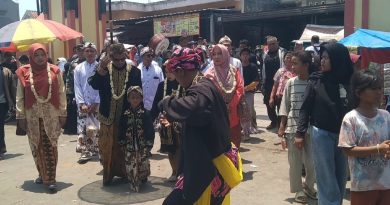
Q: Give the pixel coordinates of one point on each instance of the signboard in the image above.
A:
(180, 25)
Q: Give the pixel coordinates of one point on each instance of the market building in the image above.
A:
(250, 19)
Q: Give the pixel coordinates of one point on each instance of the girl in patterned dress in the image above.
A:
(136, 135)
(365, 138)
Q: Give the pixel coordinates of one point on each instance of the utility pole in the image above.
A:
(110, 19)
(38, 10)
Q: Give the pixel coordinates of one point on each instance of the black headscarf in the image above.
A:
(341, 63)
(340, 73)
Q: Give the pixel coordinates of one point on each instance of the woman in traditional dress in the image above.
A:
(229, 82)
(169, 135)
(41, 111)
(210, 165)
(136, 134)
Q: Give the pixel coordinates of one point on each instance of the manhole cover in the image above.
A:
(118, 192)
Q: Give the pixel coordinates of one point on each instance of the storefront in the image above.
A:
(183, 24)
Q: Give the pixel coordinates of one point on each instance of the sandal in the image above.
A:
(38, 180)
(52, 188)
(300, 197)
(310, 194)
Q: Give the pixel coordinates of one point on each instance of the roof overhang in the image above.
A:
(280, 13)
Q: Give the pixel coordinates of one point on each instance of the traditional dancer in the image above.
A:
(210, 165)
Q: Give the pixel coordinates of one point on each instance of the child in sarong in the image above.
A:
(136, 135)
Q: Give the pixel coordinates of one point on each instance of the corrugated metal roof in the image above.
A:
(119, 21)
(282, 13)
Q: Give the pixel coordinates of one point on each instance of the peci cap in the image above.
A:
(225, 40)
(146, 50)
(89, 45)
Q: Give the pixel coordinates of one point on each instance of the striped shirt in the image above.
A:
(292, 101)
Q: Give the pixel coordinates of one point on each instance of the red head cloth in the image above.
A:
(184, 58)
(40, 77)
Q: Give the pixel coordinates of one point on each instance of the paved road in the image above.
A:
(265, 178)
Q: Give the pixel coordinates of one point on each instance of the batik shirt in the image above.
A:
(372, 172)
(136, 129)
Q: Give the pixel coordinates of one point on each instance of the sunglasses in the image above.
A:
(118, 59)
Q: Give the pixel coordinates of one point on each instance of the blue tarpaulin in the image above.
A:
(368, 39)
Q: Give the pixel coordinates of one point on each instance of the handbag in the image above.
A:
(19, 130)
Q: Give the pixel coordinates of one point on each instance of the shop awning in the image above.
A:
(374, 45)
(325, 33)
(368, 39)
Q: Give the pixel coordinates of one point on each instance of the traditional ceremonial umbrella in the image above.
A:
(21, 34)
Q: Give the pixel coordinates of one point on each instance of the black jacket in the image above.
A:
(322, 105)
(102, 83)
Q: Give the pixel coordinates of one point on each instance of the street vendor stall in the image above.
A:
(325, 33)
(373, 46)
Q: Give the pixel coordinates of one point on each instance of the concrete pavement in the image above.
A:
(265, 174)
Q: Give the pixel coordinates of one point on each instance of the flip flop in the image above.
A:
(300, 197)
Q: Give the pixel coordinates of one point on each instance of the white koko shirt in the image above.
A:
(150, 78)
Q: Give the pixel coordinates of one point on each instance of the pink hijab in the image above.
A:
(223, 69)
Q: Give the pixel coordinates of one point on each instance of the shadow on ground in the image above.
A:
(248, 175)
(262, 117)
(118, 192)
(30, 186)
(254, 140)
(244, 161)
(158, 156)
(10, 156)
(242, 149)
(310, 201)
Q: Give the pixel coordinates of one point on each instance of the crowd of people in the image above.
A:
(200, 99)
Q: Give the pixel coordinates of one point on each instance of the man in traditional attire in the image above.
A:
(71, 121)
(210, 165)
(112, 79)
(87, 100)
